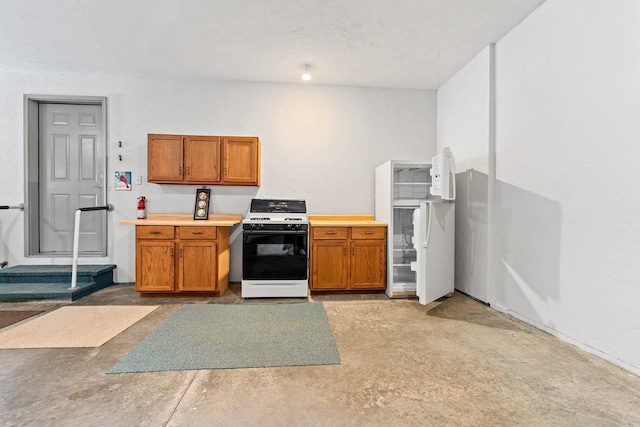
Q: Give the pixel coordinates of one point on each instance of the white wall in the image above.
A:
(319, 143)
(564, 219)
(463, 126)
(567, 221)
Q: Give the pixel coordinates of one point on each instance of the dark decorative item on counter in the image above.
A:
(201, 210)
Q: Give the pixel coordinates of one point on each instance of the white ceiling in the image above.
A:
(415, 44)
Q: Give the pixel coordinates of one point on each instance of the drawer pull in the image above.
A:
(330, 233)
(197, 232)
(368, 232)
(154, 232)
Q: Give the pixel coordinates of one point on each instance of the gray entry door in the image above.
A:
(71, 174)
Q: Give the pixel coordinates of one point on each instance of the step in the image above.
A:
(44, 282)
(99, 273)
(46, 291)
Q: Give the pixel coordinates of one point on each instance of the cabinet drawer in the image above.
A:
(154, 232)
(208, 233)
(368, 232)
(329, 233)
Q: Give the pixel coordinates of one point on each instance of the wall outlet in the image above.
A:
(138, 180)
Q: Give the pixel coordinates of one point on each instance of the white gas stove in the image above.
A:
(275, 249)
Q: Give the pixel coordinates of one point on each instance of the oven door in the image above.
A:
(274, 255)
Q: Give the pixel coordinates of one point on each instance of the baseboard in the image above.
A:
(570, 340)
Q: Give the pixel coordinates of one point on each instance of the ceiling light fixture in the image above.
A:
(306, 76)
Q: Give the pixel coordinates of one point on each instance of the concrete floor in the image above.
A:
(453, 362)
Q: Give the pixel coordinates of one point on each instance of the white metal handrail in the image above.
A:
(76, 238)
(20, 206)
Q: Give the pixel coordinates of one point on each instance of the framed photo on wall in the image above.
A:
(201, 210)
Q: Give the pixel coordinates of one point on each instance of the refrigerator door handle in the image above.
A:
(425, 244)
(452, 171)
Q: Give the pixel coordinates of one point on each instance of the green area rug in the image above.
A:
(221, 336)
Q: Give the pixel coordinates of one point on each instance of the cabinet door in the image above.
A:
(164, 158)
(201, 159)
(368, 264)
(329, 269)
(197, 265)
(241, 160)
(155, 266)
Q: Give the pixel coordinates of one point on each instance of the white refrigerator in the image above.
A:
(434, 233)
(400, 187)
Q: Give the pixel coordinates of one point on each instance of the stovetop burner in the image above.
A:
(277, 211)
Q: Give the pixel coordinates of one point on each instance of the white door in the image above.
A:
(434, 240)
(71, 176)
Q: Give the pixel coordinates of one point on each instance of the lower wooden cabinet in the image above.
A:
(348, 258)
(173, 259)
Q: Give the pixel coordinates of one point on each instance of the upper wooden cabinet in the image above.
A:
(164, 156)
(214, 160)
(241, 160)
(201, 159)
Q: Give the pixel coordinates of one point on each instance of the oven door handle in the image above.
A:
(275, 231)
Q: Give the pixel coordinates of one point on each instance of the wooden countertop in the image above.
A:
(215, 220)
(344, 221)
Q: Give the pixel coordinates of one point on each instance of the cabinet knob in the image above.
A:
(180, 170)
(180, 253)
(171, 251)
